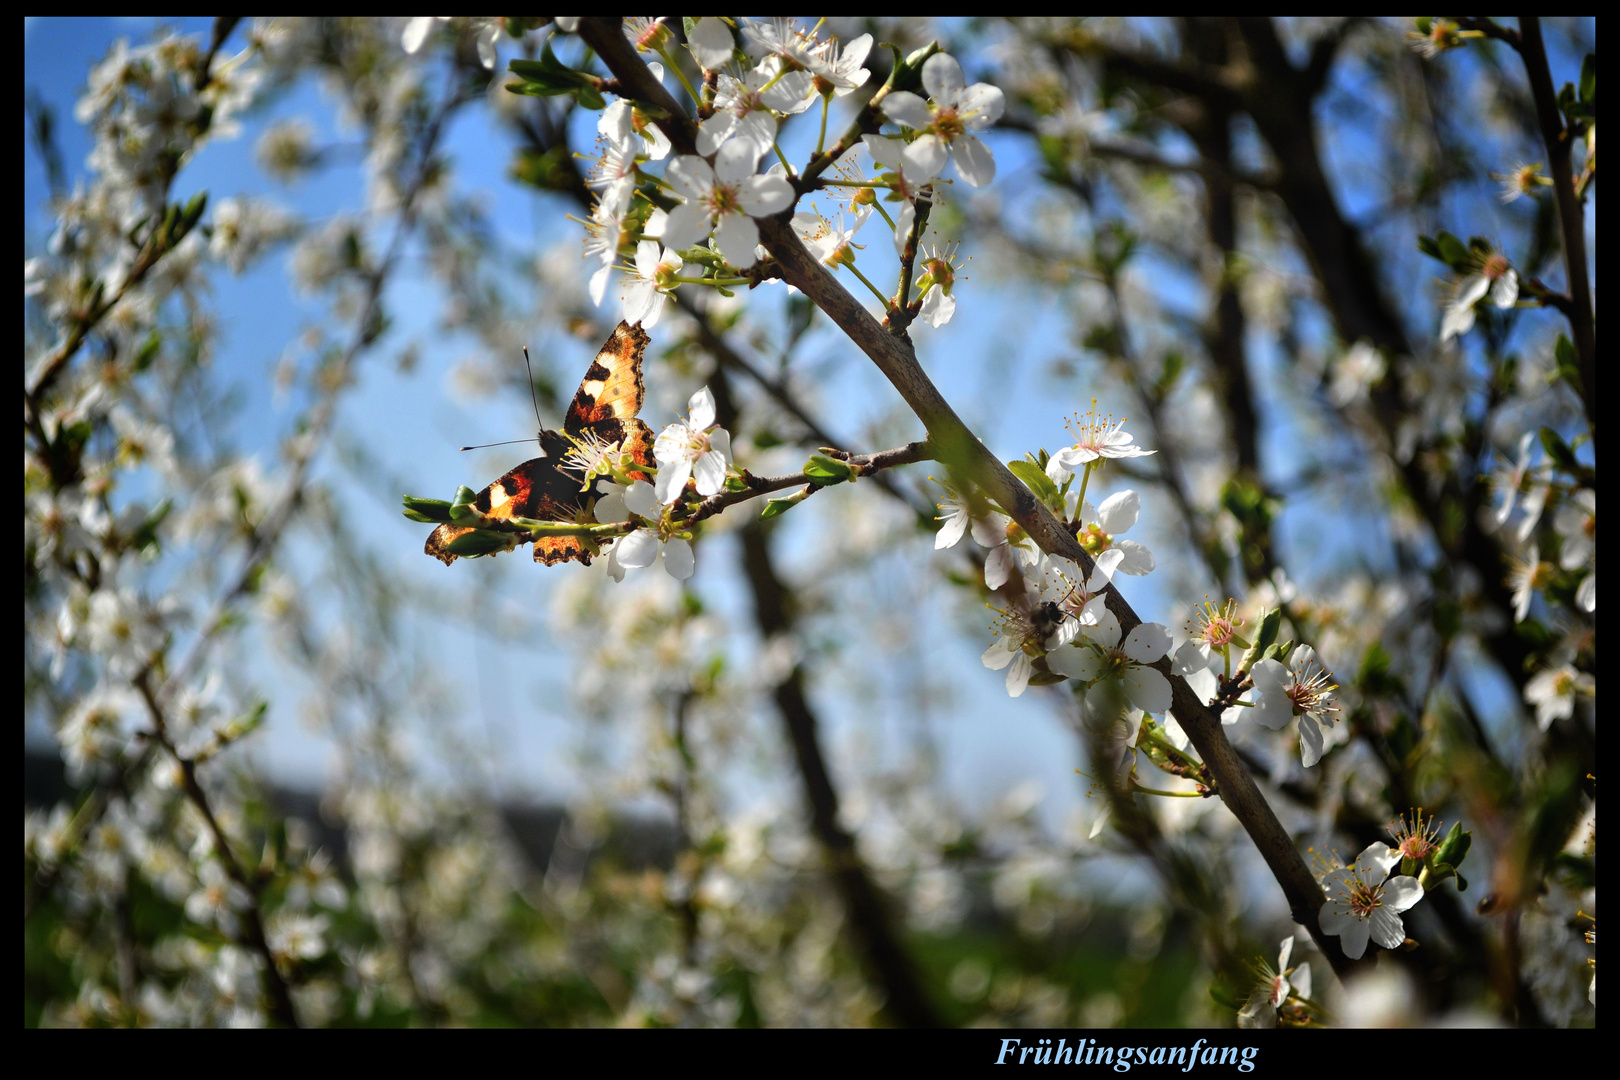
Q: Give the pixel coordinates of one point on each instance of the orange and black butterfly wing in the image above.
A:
(535, 489)
(611, 394)
(612, 388)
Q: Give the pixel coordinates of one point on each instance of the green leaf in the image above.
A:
(1462, 883)
(193, 212)
(1454, 848)
(1589, 79)
(1558, 449)
(1564, 354)
(1452, 251)
(1036, 480)
(145, 535)
(1430, 247)
(479, 542)
(148, 352)
(535, 89)
(824, 470)
(1046, 678)
(589, 97)
(427, 510)
(465, 495)
(776, 508)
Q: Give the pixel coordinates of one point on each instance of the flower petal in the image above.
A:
(1135, 559)
(710, 473)
(678, 559)
(906, 109)
(997, 566)
(980, 105)
(1310, 740)
(641, 498)
(974, 162)
(1077, 662)
(735, 161)
(1018, 675)
(688, 224)
(1354, 938)
(672, 480)
(713, 132)
(997, 655)
(700, 409)
(690, 176)
(636, 550)
(1386, 928)
(736, 237)
(1147, 643)
(1147, 689)
(1505, 293)
(1375, 862)
(765, 195)
(925, 159)
(1119, 511)
(1400, 893)
(711, 43)
(941, 75)
(720, 443)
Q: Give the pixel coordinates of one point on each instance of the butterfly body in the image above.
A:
(603, 412)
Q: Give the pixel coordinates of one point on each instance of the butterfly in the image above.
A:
(549, 488)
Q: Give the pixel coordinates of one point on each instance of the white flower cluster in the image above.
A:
(695, 451)
(758, 75)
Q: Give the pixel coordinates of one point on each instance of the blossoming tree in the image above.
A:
(1437, 649)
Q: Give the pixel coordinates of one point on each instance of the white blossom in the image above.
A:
(1103, 656)
(723, 200)
(1304, 689)
(1361, 904)
(697, 449)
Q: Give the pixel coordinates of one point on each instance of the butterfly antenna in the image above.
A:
(508, 442)
(533, 397)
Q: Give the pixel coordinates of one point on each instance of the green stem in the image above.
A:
(1166, 794)
(783, 159)
(1085, 478)
(875, 290)
(672, 66)
(710, 281)
(821, 138)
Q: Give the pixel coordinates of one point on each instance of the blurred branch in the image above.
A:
(281, 1005)
(1560, 140)
(864, 902)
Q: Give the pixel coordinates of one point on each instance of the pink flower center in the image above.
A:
(1364, 899)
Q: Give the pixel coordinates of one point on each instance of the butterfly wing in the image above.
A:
(612, 388)
(535, 489)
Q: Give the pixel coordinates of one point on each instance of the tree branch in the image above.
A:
(1560, 141)
(962, 451)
